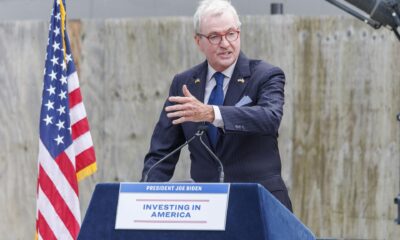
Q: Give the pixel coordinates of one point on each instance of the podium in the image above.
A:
(253, 214)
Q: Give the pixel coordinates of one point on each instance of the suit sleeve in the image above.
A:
(263, 116)
(166, 137)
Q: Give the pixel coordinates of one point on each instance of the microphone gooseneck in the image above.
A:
(216, 158)
(199, 133)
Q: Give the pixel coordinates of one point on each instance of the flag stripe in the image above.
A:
(82, 143)
(70, 152)
(77, 113)
(58, 203)
(59, 180)
(68, 170)
(53, 220)
(44, 229)
(75, 97)
(85, 158)
(73, 82)
(79, 128)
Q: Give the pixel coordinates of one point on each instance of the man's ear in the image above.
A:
(197, 40)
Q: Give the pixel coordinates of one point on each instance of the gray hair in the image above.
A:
(215, 8)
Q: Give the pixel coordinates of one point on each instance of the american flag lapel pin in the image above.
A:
(196, 81)
(241, 80)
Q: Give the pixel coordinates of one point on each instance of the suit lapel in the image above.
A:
(238, 82)
(197, 84)
(197, 87)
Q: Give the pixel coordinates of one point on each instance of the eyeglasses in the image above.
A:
(216, 38)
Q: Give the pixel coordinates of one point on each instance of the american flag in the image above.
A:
(66, 153)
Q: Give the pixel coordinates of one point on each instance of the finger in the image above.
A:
(178, 114)
(177, 107)
(181, 120)
(178, 121)
(186, 91)
(179, 99)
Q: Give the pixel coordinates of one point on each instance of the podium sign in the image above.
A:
(172, 206)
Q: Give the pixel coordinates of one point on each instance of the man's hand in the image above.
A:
(189, 109)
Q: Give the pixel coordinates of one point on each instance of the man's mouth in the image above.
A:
(225, 54)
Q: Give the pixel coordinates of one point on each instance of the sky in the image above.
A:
(100, 9)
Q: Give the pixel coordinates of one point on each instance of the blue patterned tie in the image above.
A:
(216, 98)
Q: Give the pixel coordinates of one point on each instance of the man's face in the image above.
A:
(220, 56)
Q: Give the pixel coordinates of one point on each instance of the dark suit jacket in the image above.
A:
(247, 145)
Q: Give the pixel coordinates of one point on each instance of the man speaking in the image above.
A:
(239, 99)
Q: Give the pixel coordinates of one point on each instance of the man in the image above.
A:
(245, 103)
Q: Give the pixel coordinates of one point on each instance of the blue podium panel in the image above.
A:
(253, 214)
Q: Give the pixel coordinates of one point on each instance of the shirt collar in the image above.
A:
(227, 72)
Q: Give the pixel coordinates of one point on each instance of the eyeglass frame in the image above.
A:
(220, 35)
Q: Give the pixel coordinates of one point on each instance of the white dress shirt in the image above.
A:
(210, 84)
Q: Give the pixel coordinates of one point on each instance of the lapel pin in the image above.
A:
(196, 81)
(240, 80)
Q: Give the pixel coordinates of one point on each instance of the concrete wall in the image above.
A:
(339, 138)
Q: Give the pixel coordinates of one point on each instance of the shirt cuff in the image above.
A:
(218, 122)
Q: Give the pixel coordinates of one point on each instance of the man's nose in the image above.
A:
(224, 42)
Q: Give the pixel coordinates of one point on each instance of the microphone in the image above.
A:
(344, 7)
(199, 133)
(379, 12)
(216, 158)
